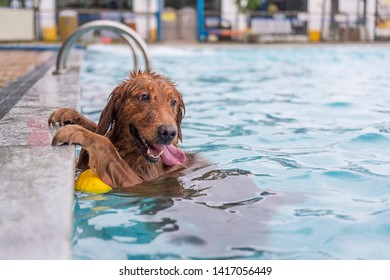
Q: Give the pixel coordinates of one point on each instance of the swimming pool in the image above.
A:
(299, 138)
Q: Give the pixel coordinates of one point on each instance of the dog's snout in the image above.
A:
(167, 132)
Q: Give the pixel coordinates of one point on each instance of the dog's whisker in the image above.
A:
(187, 168)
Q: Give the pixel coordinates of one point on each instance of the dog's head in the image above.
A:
(146, 110)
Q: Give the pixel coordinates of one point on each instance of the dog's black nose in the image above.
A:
(167, 132)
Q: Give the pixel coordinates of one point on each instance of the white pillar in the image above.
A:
(371, 10)
(314, 10)
(48, 19)
(146, 24)
(229, 11)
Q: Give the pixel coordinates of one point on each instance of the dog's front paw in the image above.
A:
(73, 134)
(64, 116)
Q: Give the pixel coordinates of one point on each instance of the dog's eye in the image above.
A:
(173, 103)
(143, 97)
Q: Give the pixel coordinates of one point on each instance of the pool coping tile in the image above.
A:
(37, 180)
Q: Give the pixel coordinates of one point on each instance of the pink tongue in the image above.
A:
(171, 155)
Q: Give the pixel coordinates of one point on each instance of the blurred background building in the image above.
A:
(251, 21)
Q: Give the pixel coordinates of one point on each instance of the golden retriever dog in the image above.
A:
(136, 138)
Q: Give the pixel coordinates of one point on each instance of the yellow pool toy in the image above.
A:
(90, 182)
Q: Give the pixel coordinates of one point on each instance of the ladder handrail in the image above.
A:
(130, 36)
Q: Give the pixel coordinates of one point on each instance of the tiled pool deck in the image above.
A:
(16, 63)
(36, 179)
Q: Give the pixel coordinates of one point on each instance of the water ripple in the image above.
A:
(342, 175)
(224, 206)
(221, 174)
(322, 213)
(370, 138)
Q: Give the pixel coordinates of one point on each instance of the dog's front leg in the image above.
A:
(65, 116)
(104, 160)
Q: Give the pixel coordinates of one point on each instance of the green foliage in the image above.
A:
(245, 6)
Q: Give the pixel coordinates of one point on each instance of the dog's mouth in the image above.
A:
(168, 153)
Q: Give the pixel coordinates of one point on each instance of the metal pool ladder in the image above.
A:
(129, 35)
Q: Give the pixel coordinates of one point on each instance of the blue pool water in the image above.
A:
(299, 138)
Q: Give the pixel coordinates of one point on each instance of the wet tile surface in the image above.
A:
(14, 64)
(36, 202)
(36, 179)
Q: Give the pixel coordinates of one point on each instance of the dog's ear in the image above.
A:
(181, 111)
(109, 113)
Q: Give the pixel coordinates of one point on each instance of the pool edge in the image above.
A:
(37, 180)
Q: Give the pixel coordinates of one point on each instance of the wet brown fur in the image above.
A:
(123, 165)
